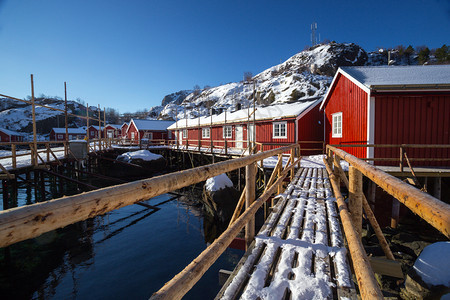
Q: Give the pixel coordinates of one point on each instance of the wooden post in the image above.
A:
(355, 198)
(104, 126)
(401, 159)
(47, 147)
(66, 118)
(250, 186)
(437, 187)
(87, 126)
(280, 157)
(5, 194)
(14, 158)
(33, 114)
(99, 129)
(337, 165)
(395, 213)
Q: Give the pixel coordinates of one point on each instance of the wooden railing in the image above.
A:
(430, 209)
(402, 156)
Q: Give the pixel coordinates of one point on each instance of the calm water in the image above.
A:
(128, 253)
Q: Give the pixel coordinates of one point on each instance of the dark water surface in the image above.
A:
(127, 253)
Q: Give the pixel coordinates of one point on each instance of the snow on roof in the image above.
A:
(116, 126)
(385, 76)
(10, 132)
(70, 130)
(151, 124)
(272, 112)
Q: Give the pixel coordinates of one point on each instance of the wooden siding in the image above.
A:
(413, 119)
(310, 128)
(351, 100)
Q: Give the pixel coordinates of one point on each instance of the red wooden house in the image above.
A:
(10, 136)
(59, 134)
(150, 130)
(112, 131)
(275, 125)
(390, 105)
(94, 131)
(123, 130)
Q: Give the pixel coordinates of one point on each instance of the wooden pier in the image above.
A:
(299, 253)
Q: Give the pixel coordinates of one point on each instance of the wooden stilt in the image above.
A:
(437, 187)
(355, 198)
(395, 212)
(5, 194)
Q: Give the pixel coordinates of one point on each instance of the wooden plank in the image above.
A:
(385, 266)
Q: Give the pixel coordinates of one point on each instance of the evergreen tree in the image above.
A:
(408, 52)
(424, 55)
(443, 54)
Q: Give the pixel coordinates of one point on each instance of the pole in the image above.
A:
(355, 198)
(33, 109)
(99, 128)
(250, 185)
(87, 124)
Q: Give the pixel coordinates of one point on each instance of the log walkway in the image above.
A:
(299, 253)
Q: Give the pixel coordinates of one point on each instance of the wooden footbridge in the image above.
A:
(299, 252)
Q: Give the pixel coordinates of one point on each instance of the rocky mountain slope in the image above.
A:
(305, 75)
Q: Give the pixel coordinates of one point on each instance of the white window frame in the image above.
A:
(148, 135)
(206, 132)
(184, 133)
(60, 136)
(336, 125)
(133, 135)
(227, 132)
(277, 130)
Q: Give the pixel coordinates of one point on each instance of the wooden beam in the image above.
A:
(365, 277)
(250, 189)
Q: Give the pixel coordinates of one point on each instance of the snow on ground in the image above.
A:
(218, 182)
(433, 264)
(140, 154)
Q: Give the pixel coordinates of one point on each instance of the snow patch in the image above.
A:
(140, 154)
(433, 264)
(217, 183)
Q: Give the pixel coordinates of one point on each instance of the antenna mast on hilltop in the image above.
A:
(313, 34)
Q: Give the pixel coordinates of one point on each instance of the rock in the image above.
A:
(429, 278)
(221, 203)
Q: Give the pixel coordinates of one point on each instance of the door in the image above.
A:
(239, 136)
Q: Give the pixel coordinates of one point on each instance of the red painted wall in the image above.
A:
(310, 129)
(418, 118)
(348, 98)
(4, 137)
(12, 138)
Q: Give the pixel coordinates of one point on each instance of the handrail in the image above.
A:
(26, 222)
(432, 210)
(185, 280)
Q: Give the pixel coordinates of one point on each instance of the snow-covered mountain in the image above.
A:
(17, 116)
(305, 75)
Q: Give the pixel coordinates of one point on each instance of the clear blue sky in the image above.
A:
(129, 54)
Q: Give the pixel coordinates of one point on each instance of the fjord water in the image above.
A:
(127, 253)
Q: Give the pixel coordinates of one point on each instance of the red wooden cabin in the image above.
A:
(123, 130)
(390, 105)
(150, 130)
(276, 125)
(112, 131)
(10, 136)
(94, 131)
(59, 134)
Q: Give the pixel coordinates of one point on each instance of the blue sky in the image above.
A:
(129, 54)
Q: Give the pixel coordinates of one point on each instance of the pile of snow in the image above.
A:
(217, 183)
(140, 154)
(433, 264)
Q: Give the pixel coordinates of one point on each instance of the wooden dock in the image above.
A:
(299, 253)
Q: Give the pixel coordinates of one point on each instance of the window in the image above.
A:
(337, 125)
(148, 135)
(132, 135)
(280, 130)
(184, 133)
(205, 132)
(60, 137)
(228, 132)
